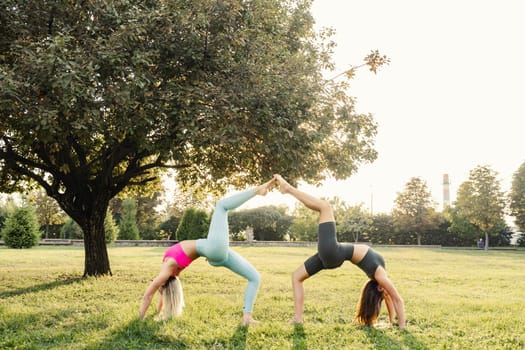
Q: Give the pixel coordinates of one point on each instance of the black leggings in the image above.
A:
(331, 254)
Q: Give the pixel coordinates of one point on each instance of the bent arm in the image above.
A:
(396, 301)
(390, 308)
(165, 272)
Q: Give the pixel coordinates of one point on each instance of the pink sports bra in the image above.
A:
(176, 252)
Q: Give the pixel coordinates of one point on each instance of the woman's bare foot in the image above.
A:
(263, 189)
(295, 321)
(248, 320)
(284, 186)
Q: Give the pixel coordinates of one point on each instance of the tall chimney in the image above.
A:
(446, 191)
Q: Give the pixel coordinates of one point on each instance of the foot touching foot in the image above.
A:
(284, 186)
(263, 189)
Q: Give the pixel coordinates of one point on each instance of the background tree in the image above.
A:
(443, 235)
(414, 211)
(502, 236)
(128, 228)
(382, 230)
(7, 206)
(305, 224)
(47, 210)
(21, 228)
(269, 223)
(111, 228)
(517, 198)
(148, 199)
(168, 228)
(71, 230)
(462, 227)
(521, 240)
(481, 202)
(194, 224)
(354, 223)
(96, 95)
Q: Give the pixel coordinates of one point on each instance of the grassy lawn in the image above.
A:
(455, 299)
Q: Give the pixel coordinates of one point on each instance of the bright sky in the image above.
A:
(451, 99)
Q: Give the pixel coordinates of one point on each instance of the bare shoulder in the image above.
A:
(382, 279)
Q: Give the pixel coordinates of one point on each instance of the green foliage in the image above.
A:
(305, 224)
(7, 207)
(71, 230)
(382, 231)
(521, 240)
(461, 225)
(3, 217)
(517, 198)
(269, 223)
(481, 202)
(239, 236)
(170, 227)
(128, 228)
(103, 94)
(21, 228)
(354, 223)
(194, 224)
(45, 306)
(414, 211)
(149, 229)
(111, 228)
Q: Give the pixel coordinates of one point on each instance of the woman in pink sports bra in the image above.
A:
(218, 253)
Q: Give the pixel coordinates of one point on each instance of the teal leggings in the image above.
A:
(216, 247)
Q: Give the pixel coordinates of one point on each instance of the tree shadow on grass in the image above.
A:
(40, 287)
(44, 329)
(238, 339)
(299, 337)
(412, 342)
(137, 335)
(381, 340)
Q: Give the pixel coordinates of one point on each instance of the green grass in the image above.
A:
(454, 300)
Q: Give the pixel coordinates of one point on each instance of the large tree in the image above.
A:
(517, 198)
(97, 95)
(481, 202)
(414, 211)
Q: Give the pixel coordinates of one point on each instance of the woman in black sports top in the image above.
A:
(331, 254)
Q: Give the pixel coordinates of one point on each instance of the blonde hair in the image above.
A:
(172, 299)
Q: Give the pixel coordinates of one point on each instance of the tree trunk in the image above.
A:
(418, 235)
(486, 241)
(96, 259)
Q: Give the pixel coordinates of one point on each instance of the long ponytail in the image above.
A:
(172, 299)
(369, 304)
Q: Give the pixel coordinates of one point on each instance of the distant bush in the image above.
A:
(110, 227)
(21, 228)
(71, 230)
(193, 225)
(128, 228)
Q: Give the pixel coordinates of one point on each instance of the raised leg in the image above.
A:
(322, 206)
